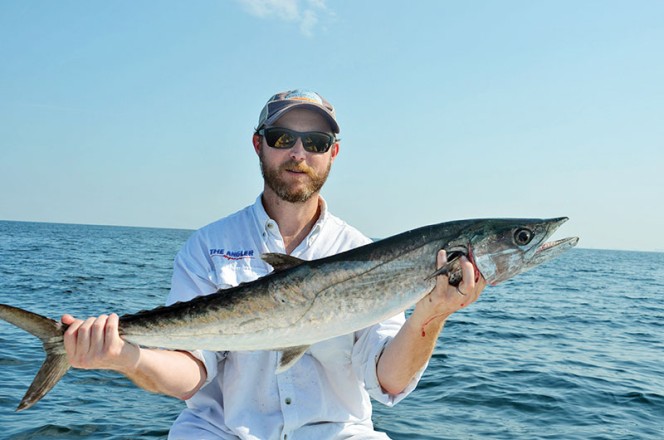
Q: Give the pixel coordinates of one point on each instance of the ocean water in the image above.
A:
(573, 349)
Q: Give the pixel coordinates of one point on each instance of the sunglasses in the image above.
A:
(283, 139)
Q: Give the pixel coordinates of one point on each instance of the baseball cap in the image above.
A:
(283, 102)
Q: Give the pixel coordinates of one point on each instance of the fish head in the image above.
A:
(502, 248)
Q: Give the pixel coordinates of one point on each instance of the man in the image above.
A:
(324, 395)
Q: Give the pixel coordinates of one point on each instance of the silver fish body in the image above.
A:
(304, 302)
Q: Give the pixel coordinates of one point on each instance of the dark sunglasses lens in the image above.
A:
(312, 141)
(316, 142)
(277, 138)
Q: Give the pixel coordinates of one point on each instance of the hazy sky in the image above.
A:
(141, 113)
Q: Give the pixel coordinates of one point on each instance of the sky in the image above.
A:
(141, 113)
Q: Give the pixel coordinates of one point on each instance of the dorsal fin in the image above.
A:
(281, 261)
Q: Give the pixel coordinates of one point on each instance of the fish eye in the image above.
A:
(523, 236)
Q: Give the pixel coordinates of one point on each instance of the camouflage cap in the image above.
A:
(283, 102)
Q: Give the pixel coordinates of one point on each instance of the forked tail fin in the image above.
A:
(51, 334)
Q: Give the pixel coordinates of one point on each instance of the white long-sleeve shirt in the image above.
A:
(324, 395)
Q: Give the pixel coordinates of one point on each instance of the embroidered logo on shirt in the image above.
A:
(232, 255)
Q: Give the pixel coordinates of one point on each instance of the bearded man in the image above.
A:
(238, 395)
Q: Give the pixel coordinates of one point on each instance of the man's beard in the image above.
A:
(284, 190)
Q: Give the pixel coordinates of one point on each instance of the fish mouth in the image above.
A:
(552, 249)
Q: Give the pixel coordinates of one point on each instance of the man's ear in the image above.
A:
(257, 142)
(335, 150)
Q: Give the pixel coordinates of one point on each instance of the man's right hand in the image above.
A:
(96, 344)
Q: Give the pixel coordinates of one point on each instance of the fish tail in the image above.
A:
(51, 334)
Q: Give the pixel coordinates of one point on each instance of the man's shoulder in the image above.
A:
(346, 232)
(236, 225)
(232, 221)
(342, 225)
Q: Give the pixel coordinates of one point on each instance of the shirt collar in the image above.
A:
(324, 215)
(266, 225)
(259, 212)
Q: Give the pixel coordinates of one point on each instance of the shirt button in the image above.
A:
(288, 400)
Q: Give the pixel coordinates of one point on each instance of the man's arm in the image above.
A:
(96, 344)
(413, 346)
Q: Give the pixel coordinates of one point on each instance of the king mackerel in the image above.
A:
(289, 309)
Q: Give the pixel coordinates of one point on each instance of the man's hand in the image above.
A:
(96, 344)
(445, 299)
(413, 346)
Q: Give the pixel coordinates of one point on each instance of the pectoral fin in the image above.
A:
(451, 269)
(289, 356)
(442, 271)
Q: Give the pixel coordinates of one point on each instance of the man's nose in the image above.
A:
(297, 152)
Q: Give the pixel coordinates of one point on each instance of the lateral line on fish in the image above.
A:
(352, 277)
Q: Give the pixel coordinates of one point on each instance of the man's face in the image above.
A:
(295, 174)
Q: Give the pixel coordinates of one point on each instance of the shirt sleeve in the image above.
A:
(367, 350)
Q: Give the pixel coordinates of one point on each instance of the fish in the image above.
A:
(303, 302)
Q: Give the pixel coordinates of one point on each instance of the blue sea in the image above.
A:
(573, 349)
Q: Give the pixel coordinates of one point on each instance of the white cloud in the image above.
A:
(306, 13)
(308, 22)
